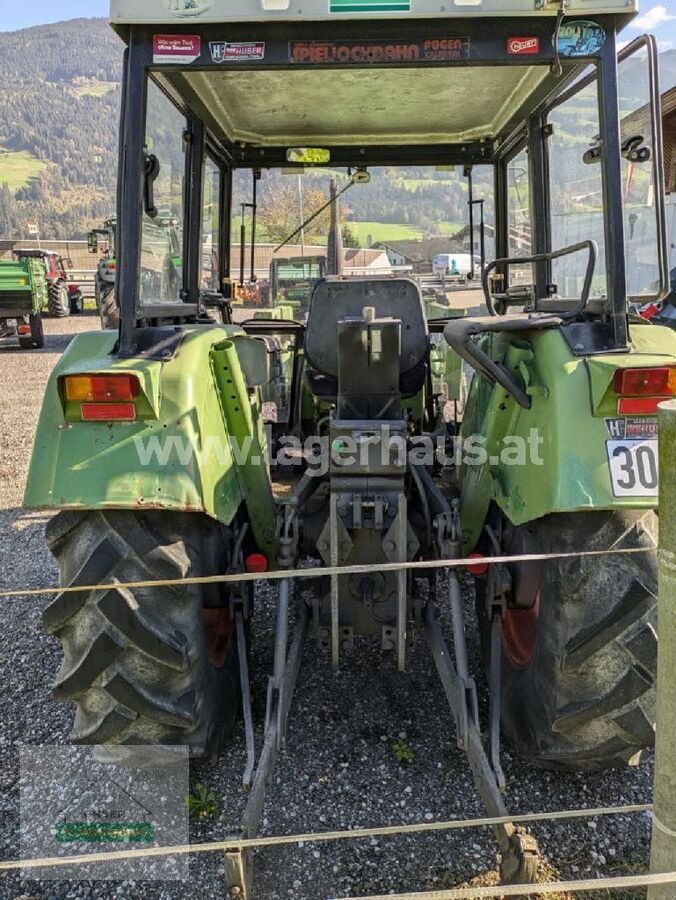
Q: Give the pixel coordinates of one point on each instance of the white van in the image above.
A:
(455, 265)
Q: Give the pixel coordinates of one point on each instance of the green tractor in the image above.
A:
(556, 451)
(23, 297)
(101, 241)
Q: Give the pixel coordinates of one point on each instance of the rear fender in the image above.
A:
(177, 455)
(552, 457)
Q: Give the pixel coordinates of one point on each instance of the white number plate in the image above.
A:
(633, 467)
(11, 323)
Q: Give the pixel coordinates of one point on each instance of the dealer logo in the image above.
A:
(222, 51)
(523, 46)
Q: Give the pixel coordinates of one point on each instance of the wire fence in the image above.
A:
(233, 844)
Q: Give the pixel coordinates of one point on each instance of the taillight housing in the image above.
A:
(642, 390)
(655, 382)
(101, 388)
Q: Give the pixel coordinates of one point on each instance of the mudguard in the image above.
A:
(552, 457)
(197, 444)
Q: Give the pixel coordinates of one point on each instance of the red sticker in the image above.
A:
(523, 46)
(176, 48)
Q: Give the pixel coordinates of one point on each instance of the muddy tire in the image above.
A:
(143, 665)
(36, 341)
(580, 655)
(58, 301)
(108, 308)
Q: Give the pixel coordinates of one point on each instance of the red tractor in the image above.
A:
(63, 298)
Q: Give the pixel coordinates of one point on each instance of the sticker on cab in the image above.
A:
(523, 46)
(222, 51)
(580, 38)
(174, 49)
(186, 9)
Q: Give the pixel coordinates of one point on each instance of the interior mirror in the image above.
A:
(361, 176)
(308, 156)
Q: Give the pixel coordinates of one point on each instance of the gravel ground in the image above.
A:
(339, 769)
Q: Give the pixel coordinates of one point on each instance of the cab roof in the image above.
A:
(265, 76)
(170, 12)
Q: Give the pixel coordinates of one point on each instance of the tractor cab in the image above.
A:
(550, 136)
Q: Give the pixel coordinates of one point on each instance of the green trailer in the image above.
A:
(23, 296)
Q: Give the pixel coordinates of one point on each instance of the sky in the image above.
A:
(37, 12)
(658, 18)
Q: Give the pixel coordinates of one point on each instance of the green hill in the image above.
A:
(59, 111)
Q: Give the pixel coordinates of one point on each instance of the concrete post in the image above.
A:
(663, 853)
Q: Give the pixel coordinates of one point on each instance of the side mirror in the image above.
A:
(93, 242)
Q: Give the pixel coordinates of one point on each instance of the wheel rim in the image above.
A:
(220, 634)
(519, 634)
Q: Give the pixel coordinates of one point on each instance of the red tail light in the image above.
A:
(256, 563)
(657, 382)
(108, 412)
(101, 388)
(638, 406)
(480, 567)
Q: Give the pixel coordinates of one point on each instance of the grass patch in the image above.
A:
(18, 167)
(384, 231)
(93, 89)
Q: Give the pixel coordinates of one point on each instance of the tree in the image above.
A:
(279, 213)
(350, 239)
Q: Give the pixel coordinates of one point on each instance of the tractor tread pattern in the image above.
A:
(587, 699)
(58, 301)
(134, 660)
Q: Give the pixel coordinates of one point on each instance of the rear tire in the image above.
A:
(37, 339)
(108, 308)
(58, 302)
(136, 661)
(579, 665)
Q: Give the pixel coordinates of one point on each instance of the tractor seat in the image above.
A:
(336, 300)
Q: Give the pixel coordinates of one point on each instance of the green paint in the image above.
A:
(663, 851)
(571, 397)
(98, 465)
(23, 287)
(244, 422)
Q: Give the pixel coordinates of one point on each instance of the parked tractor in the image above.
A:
(293, 279)
(556, 452)
(23, 296)
(102, 242)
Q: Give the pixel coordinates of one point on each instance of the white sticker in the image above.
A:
(633, 467)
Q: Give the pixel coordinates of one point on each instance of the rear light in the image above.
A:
(478, 568)
(101, 388)
(108, 412)
(256, 563)
(638, 406)
(24, 329)
(658, 382)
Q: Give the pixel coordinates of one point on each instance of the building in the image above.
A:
(417, 255)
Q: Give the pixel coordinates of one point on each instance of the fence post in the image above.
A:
(663, 851)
